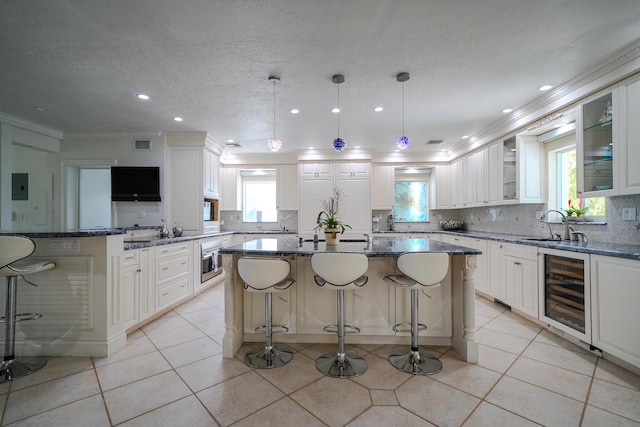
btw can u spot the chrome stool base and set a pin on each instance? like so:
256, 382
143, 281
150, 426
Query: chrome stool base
415, 362
12, 369
348, 366
267, 358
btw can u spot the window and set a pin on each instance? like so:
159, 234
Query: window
411, 193
259, 195
562, 179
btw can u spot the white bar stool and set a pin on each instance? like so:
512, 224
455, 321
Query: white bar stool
267, 275
426, 269
13, 263
340, 271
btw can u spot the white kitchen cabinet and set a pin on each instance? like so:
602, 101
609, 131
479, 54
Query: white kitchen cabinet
352, 169
382, 187
187, 155
317, 183
443, 186
495, 251
355, 208
174, 281
494, 173
147, 293
129, 286
211, 174
137, 285
615, 294
515, 171
520, 275
315, 169
597, 145
460, 192
229, 177
629, 135
287, 187
186, 188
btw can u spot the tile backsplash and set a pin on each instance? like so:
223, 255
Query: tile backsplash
517, 219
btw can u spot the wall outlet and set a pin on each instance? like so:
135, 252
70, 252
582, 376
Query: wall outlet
628, 214
539, 214
140, 214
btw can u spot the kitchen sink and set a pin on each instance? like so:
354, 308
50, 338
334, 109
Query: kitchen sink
541, 239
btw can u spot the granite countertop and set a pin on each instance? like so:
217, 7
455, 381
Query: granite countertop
94, 232
598, 248
381, 247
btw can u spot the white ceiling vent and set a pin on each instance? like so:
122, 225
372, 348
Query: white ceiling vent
232, 144
434, 141
142, 144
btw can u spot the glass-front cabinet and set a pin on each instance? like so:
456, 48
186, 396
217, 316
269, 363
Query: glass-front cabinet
509, 170
596, 134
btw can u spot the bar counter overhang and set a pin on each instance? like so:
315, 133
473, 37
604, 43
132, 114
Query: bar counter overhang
458, 289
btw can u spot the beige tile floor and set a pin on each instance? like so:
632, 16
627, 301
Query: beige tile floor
172, 373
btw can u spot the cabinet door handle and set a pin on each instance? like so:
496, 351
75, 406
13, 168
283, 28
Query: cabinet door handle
164, 294
139, 271
165, 268
517, 263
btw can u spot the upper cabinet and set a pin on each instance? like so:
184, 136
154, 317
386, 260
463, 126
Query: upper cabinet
229, 188
287, 187
382, 183
211, 174
629, 135
317, 183
596, 150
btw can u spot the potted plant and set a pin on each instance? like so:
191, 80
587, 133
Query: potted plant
576, 212
328, 218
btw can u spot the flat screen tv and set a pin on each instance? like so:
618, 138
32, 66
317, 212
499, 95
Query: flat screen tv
135, 183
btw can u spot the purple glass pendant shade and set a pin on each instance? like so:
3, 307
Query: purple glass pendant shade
402, 143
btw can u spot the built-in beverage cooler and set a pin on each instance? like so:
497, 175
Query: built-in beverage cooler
564, 297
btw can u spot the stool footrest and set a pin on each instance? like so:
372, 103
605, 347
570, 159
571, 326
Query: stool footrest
24, 316
348, 329
275, 329
401, 328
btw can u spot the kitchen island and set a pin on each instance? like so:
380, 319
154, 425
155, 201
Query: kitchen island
448, 311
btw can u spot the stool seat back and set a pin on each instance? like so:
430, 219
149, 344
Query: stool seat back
264, 274
426, 268
339, 268
14, 248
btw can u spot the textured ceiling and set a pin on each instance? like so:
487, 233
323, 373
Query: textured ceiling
208, 61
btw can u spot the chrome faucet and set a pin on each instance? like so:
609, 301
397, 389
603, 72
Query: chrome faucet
566, 236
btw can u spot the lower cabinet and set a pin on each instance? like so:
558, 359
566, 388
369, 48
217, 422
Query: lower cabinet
173, 274
137, 285
513, 275
615, 293
520, 275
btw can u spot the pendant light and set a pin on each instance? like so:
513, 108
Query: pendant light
338, 143
274, 143
402, 142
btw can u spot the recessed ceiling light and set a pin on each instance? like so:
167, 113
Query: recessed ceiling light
177, 119
294, 111
335, 110
378, 109
41, 109
507, 110
142, 96
465, 136
357, 146
230, 140
545, 87
310, 148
